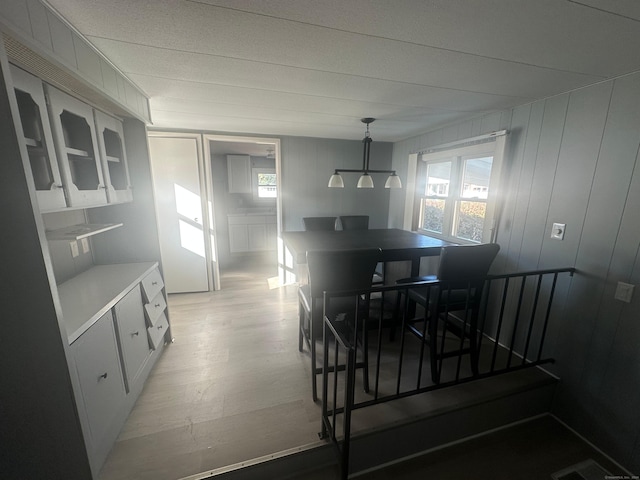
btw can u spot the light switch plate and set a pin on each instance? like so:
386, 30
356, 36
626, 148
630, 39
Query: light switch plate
85, 245
557, 231
624, 292
74, 249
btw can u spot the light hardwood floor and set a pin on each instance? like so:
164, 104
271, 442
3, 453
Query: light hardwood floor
232, 387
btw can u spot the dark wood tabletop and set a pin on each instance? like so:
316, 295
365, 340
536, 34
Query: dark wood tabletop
396, 244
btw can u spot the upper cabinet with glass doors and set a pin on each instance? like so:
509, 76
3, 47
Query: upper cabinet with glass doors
74, 135
38, 139
114, 159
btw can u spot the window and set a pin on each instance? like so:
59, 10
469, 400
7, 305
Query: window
455, 193
264, 183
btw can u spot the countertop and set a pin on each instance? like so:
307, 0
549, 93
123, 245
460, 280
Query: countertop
245, 212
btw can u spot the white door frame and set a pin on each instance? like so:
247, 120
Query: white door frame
207, 138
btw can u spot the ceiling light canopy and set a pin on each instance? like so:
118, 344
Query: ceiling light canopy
365, 181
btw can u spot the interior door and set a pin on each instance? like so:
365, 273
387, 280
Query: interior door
177, 166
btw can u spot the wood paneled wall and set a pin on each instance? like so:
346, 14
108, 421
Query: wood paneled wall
574, 159
307, 164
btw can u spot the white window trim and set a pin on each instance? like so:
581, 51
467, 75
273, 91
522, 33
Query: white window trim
493, 148
254, 183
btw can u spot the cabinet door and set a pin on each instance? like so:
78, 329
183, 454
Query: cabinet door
272, 235
238, 238
132, 328
38, 139
239, 173
98, 366
257, 237
114, 158
74, 135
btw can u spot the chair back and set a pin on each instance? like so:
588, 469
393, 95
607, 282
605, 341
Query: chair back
354, 222
341, 270
319, 223
462, 266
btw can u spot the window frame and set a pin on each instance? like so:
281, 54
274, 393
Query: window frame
457, 156
255, 172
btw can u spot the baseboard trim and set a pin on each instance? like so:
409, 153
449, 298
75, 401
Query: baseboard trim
588, 442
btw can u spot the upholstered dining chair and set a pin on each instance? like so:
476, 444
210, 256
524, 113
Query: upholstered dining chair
337, 270
319, 223
354, 222
453, 301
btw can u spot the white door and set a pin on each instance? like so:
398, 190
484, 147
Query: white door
176, 167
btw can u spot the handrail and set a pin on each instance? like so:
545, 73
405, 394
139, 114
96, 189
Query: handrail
511, 321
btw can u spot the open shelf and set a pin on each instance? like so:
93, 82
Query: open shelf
78, 153
84, 230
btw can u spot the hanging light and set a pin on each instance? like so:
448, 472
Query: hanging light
365, 181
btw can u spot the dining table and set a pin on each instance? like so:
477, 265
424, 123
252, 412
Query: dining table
396, 244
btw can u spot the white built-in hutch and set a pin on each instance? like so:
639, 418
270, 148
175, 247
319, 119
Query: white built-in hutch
83, 299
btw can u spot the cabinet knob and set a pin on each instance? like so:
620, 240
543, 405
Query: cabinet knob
104, 375
154, 283
135, 334
157, 305
160, 326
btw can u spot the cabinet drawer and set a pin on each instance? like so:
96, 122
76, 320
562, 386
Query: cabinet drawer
98, 366
156, 333
155, 308
152, 284
131, 326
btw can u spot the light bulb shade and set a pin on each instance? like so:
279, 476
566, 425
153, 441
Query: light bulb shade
365, 181
336, 181
393, 181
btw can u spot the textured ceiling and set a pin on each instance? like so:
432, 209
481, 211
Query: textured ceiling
314, 68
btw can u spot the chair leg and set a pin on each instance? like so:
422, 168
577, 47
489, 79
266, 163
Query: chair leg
433, 347
473, 343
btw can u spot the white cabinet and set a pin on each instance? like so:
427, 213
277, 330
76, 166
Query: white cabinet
38, 140
115, 168
252, 233
132, 334
98, 365
238, 238
155, 306
74, 135
239, 173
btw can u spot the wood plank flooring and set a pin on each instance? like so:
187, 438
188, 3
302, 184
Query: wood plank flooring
232, 386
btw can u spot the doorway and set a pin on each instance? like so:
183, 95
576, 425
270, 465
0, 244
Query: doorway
245, 181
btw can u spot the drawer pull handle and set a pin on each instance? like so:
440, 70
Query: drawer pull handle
154, 283
104, 375
157, 305
135, 334
160, 326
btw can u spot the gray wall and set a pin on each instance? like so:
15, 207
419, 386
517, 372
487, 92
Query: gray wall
572, 159
307, 164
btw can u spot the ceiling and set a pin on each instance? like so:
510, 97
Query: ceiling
315, 67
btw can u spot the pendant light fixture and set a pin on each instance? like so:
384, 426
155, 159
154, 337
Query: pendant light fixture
365, 181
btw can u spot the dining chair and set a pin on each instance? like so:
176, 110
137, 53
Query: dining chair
354, 222
453, 301
361, 222
319, 223
336, 270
